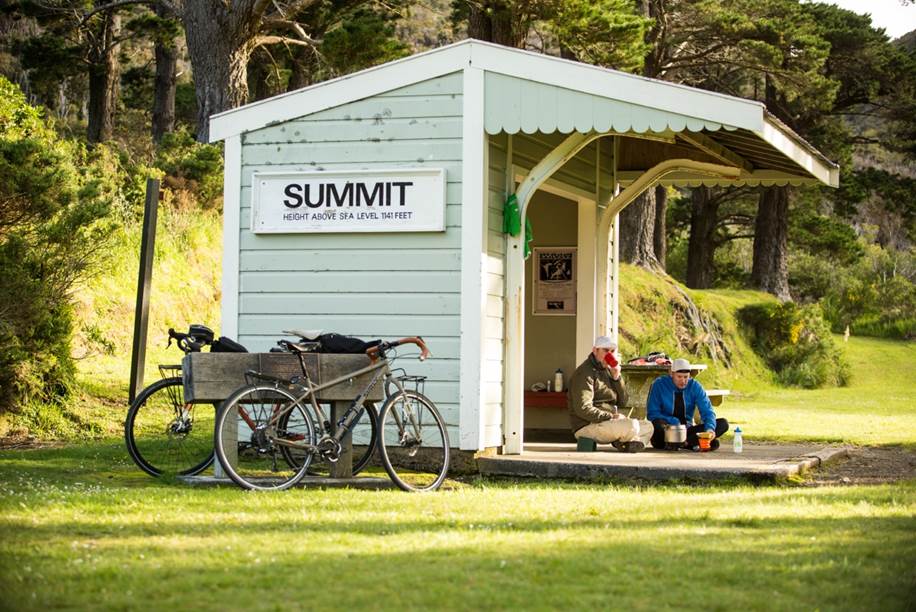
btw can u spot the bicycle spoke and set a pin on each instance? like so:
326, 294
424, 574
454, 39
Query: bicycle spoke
165, 439
263, 437
414, 442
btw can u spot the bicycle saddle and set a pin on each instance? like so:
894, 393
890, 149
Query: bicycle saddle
310, 334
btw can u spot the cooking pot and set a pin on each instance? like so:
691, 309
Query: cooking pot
675, 436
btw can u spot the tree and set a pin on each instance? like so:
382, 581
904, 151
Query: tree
102, 33
52, 211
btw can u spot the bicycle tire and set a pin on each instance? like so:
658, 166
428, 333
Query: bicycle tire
365, 440
416, 459
162, 437
258, 462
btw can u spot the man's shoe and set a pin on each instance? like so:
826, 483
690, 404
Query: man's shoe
714, 445
618, 445
632, 447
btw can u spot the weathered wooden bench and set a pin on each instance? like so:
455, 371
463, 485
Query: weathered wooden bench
212, 377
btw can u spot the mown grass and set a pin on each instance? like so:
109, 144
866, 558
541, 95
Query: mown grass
876, 408
80, 528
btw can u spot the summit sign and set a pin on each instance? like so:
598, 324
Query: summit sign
401, 200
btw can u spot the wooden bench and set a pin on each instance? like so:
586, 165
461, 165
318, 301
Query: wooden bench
212, 377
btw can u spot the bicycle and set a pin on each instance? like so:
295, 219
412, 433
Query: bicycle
266, 439
165, 434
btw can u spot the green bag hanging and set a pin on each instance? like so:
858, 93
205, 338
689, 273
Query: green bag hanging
512, 223
512, 219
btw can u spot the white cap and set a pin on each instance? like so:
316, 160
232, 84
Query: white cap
605, 342
680, 365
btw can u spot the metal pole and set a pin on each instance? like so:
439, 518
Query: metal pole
144, 280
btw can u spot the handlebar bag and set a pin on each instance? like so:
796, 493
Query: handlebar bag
227, 345
338, 343
201, 333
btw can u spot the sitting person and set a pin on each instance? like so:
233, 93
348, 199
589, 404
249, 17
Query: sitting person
596, 395
674, 400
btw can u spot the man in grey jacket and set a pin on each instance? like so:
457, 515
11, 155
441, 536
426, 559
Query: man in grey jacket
596, 396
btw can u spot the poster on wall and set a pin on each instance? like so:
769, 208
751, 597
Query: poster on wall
554, 281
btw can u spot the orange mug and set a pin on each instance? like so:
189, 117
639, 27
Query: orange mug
705, 441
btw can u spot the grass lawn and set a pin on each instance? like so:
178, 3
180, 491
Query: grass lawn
877, 408
81, 527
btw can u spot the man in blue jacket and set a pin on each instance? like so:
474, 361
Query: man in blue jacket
674, 399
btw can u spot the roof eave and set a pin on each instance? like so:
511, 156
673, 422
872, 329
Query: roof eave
793, 146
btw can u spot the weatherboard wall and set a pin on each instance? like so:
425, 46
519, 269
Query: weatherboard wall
369, 284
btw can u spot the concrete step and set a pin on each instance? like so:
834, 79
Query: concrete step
758, 462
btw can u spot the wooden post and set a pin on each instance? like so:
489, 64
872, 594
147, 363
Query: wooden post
144, 281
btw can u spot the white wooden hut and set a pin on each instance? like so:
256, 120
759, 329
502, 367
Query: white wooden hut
372, 205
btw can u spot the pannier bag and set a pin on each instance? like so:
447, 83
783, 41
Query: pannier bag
227, 345
338, 343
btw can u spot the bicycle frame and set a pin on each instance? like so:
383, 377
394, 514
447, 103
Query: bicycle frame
382, 369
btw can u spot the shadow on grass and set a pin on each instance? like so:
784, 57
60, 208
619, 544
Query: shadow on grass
842, 564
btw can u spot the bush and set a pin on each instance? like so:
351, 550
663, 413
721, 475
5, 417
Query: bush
53, 226
192, 167
876, 296
796, 343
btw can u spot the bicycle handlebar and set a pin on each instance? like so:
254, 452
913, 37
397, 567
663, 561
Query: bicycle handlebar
186, 342
379, 351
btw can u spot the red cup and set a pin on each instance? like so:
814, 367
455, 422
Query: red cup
609, 359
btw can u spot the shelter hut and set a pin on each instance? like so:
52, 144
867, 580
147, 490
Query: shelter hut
373, 205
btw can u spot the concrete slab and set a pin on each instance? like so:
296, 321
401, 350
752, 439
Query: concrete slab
318, 482
758, 462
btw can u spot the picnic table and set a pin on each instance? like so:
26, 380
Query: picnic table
638, 380
209, 378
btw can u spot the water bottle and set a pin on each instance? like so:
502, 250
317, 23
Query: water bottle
558, 380
738, 442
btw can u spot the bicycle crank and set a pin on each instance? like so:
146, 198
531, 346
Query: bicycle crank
329, 449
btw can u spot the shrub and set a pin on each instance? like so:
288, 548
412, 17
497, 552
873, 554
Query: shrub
192, 167
796, 343
876, 296
53, 226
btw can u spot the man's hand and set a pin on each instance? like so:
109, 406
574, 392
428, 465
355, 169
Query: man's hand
615, 372
711, 434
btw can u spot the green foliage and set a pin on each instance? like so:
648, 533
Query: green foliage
824, 236
796, 342
191, 166
604, 32
52, 226
876, 296
364, 40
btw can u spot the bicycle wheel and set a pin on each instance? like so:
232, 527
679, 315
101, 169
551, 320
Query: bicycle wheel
165, 435
413, 442
254, 427
365, 437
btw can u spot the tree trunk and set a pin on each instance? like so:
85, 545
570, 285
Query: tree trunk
637, 227
494, 22
301, 69
219, 44
164, 91
638, 221
771, 242
103, 76
660, 239
701, 247
258, 77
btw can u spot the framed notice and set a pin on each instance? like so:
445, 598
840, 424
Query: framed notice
554, 281
397, 200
